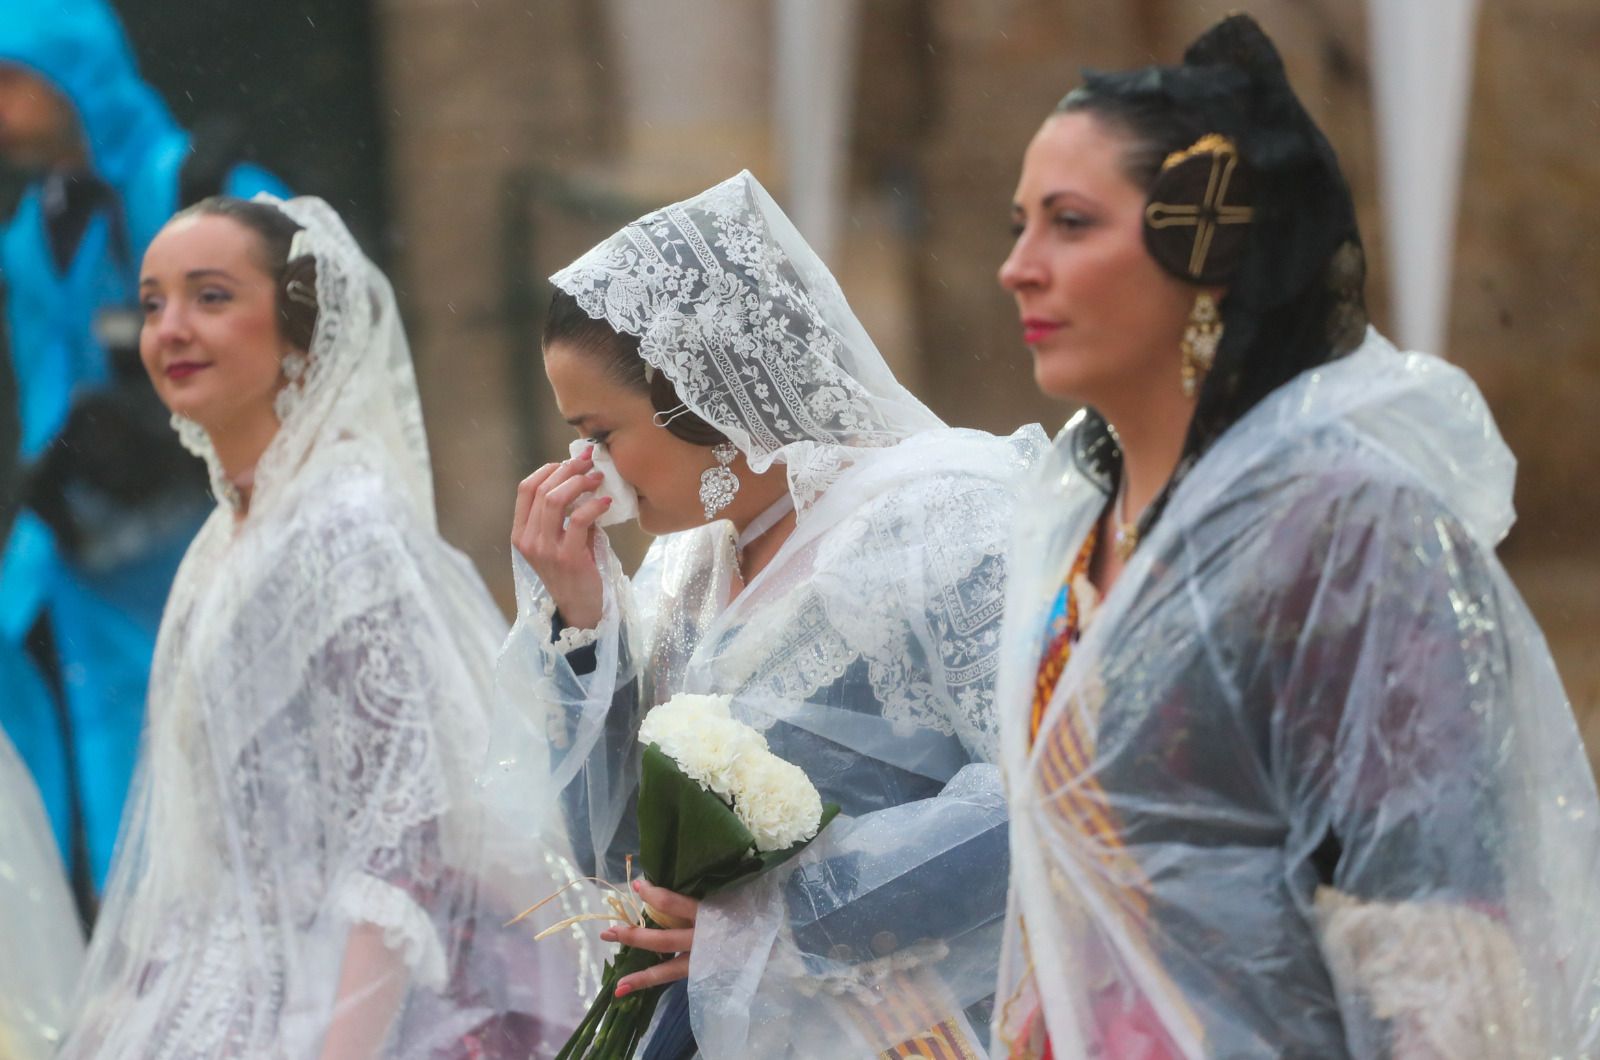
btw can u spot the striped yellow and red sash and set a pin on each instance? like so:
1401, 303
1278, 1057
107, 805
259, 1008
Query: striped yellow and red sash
1065, 623
909, 1003
1072, 789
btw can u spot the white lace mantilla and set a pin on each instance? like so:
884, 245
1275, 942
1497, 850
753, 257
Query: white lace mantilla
746, 322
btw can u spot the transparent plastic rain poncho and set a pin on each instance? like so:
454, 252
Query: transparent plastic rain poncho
37, 921
304, 871
865, 650
1309, 785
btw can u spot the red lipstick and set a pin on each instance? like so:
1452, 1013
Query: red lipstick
183, 369
1036, 329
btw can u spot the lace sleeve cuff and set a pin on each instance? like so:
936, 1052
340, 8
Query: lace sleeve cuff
564, 640
570, 640
1443, 974
406, 928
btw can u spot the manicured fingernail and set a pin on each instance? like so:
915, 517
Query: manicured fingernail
623, 989
588, 453
638, 885
608, 500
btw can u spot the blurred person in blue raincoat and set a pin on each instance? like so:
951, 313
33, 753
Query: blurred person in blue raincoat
105, 500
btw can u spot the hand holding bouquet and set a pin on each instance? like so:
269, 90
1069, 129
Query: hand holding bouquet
716, 807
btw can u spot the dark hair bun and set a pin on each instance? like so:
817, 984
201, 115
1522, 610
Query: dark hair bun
297, 301
1240, 42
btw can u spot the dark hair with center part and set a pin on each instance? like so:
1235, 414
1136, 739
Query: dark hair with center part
296, 280
1154, 129
568, 324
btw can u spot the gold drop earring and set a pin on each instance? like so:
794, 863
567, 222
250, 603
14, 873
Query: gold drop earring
1200, 339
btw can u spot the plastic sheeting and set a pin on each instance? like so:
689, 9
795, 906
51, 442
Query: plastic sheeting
37, 920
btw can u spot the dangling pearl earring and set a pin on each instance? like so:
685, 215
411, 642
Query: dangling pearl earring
718, 484
293, 366
1200, 341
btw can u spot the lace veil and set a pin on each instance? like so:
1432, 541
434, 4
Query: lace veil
303, 865
752, 329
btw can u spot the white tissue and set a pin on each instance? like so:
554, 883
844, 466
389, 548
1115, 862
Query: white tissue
624, 501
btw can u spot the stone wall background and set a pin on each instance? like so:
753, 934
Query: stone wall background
521, 131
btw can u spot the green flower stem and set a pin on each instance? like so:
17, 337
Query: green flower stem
613, 1026
690, 842
584, 1034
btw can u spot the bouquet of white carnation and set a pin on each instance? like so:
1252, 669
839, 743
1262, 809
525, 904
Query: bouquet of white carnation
715, 807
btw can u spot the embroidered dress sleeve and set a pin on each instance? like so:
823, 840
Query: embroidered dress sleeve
578, 649
886, 930
888, 933
871, 898
381, 724
1418, 760
385, 777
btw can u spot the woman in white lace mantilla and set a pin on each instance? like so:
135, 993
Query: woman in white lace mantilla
1305, 784
303, 872
829, 555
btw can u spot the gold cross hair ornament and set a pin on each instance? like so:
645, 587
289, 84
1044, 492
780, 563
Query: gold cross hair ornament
1195, 223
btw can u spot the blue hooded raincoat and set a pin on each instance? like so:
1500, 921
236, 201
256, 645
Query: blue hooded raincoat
103, 619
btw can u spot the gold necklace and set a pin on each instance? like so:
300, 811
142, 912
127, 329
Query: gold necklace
1125, 536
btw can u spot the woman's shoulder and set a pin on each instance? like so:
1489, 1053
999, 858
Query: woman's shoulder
942, 504
1377, 422
1334, 474
349, 483
951, 462
933, 512
1331, 511
349, 504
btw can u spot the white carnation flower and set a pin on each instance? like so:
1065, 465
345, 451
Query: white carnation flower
702, 739
683, 709
670, 724
775, 800
710, 754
